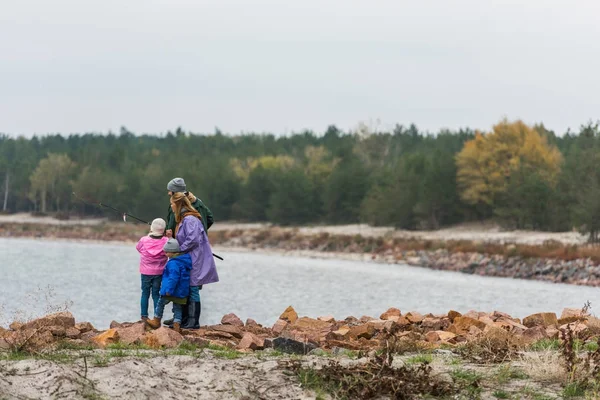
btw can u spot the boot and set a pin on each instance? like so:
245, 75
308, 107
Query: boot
184, 318
185, 314
153, 323
177, 327
194, 316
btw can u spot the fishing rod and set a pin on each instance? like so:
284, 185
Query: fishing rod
125, 215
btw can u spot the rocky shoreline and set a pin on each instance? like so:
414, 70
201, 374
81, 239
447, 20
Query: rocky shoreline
76, 360
551, 261
301, 335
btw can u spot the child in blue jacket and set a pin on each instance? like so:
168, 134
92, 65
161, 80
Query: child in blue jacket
175, 286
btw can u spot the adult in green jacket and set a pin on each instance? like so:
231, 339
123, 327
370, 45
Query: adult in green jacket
178, 185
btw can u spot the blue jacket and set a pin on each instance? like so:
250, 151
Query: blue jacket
176, 277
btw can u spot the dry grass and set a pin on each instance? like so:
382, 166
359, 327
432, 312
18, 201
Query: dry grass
544, 366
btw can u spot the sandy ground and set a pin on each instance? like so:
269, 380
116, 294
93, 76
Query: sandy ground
159, 377
486, 232
27, 218
204, 376
475, 232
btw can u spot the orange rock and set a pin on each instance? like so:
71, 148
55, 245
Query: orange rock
362, 331
568, 320
486, 320
232, 319
231, 329
345, 344
474, 314
540, 319
279, 326
495, 332
432, 337
107, 337
84, 327
327, 318
593, 322
445, 336
163, 337
30, 339
16, 325
414, 317
251, 342
453, 314
310, 329
391, 312
289, 315
409, 335
573, 312
339, 334
576, 327
132, 334
510, 325
475, 331
498, 314
72, 333
434, 324
535, 333
63, 319
552, 333
306, 323
251, 323
378, 324
462, 324
58, 331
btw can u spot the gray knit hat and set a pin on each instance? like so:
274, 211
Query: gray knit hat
176, 185
172, 246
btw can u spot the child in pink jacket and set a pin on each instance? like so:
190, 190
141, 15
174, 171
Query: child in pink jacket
152, 263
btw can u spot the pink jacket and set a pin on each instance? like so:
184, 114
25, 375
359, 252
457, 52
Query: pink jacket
152, 256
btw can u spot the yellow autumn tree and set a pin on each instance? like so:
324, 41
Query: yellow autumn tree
243, 167
485, 163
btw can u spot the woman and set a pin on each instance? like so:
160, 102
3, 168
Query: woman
192, 238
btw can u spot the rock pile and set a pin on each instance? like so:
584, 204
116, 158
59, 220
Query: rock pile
582, 271
294, 334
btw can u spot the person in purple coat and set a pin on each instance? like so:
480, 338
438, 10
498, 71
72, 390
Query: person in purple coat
193, 240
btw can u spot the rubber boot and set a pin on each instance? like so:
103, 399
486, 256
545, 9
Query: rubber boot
193, 321
153, 323
185, 315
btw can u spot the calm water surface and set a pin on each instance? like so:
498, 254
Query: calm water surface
102, 281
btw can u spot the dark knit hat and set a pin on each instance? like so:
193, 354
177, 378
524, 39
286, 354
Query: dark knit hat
172, 246
176, 185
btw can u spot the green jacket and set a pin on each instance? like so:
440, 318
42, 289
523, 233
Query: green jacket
205, 213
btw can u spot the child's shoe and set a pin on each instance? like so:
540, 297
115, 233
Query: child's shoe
177, 327
153, 323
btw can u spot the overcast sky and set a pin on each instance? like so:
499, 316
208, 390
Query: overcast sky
285, 65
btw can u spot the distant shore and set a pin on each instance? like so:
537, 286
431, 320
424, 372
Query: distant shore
481, 249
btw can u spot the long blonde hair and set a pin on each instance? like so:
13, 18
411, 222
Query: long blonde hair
180, 201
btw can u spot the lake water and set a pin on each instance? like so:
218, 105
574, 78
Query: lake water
102, 282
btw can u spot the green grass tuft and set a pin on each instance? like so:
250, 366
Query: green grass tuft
420, 359
545, 344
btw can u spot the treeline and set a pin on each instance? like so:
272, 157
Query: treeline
523, 176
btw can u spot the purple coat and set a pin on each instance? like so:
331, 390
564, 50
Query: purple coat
193, 240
